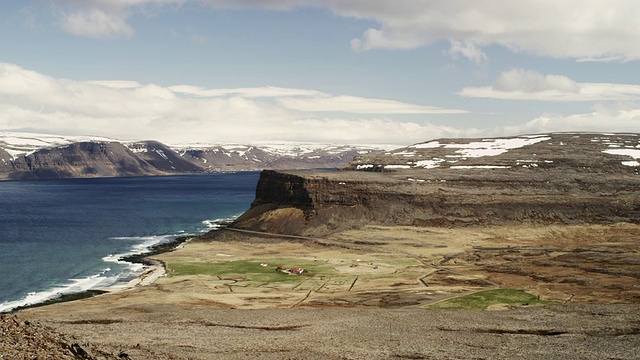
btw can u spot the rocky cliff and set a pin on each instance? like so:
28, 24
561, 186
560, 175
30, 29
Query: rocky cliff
550, 178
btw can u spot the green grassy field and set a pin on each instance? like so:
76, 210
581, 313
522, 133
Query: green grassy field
483, 299
250, 269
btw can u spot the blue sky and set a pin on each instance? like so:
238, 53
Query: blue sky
359, 71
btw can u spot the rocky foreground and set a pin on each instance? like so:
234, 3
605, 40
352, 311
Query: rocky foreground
565, 332
22, 339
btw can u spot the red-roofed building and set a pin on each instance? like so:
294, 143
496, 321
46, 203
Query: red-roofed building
296, 270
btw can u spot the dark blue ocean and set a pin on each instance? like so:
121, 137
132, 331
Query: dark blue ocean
65, 236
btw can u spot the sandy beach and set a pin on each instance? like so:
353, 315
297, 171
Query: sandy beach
150, 274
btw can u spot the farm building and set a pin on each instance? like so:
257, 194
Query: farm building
296, 270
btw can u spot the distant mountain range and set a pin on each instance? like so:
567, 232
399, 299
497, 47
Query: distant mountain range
40, 156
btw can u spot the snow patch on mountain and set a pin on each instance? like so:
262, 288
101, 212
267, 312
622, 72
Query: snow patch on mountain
23, 144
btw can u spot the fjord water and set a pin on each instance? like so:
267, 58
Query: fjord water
64, 236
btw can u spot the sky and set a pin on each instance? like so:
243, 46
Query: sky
331, 71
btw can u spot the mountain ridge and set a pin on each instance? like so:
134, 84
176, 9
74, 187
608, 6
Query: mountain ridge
38, 156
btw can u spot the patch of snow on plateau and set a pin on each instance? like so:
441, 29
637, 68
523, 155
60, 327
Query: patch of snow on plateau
634, 153
17, 144
405, 153
480, 167
628, 152
493, 147
429, 164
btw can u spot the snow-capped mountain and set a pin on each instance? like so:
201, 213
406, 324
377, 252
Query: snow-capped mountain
270, 156
28, 155
20, 144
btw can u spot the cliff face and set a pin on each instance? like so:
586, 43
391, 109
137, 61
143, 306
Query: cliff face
580, 184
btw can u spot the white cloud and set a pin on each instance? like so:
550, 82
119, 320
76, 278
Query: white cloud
316, 101
376, 39
600, 120
267, 91
372, 131
359, 105
521, 84
130, 110
30, 101
531, 81
469, 51
96, 23
116, 84
585, 30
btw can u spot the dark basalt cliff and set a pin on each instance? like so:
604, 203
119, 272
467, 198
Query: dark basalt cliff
558, 178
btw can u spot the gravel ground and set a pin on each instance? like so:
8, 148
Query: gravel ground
591, 331
23, 339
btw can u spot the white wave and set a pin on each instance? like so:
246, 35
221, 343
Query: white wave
74, 286
217, 224
99, 280
142, 244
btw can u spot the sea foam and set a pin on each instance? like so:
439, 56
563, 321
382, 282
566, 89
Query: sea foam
141, 245
74, 286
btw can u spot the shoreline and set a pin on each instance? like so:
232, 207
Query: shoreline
149, 275
153, 270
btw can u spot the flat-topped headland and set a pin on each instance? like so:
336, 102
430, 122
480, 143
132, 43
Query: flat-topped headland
542, 229
537, 179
